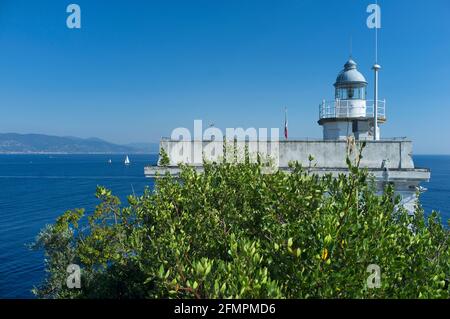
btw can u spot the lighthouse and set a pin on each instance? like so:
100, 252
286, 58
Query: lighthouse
350, 113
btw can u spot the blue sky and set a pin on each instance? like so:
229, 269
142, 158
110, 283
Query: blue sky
138, 69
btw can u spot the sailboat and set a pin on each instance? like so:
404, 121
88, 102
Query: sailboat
109, 161
127, 161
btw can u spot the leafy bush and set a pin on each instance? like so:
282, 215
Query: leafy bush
233, 231
164, 159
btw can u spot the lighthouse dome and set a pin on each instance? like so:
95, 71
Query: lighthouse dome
350, 75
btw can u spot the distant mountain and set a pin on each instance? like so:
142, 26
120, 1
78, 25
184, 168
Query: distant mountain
39, 143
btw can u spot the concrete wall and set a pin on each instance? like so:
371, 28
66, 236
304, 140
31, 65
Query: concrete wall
340, 130
332, 154
327, 154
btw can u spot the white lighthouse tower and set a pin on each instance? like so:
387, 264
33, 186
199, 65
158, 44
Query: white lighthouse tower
350, 113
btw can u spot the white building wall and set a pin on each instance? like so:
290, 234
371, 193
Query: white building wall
340, 130
327, 154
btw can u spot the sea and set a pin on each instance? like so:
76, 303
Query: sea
36, 189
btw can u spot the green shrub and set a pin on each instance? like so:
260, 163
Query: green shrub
233, 231
164, 159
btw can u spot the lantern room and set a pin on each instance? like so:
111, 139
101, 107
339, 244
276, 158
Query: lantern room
350, 83
350, 113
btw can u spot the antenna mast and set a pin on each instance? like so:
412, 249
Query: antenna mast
351, 47
376, 67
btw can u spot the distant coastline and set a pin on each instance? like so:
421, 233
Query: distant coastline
14, 143
80, 153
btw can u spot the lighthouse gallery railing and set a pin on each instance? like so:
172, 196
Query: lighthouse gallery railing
347, 109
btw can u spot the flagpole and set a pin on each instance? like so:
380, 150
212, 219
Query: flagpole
285, 124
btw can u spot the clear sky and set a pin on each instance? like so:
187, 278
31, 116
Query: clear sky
138, 69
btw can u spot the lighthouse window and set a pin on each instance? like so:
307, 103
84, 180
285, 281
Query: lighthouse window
350, 93
361, 94
341, 94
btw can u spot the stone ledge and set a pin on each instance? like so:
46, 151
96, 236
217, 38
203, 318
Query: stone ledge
415, 175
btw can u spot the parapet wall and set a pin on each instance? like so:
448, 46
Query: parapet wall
332, 154
392, 154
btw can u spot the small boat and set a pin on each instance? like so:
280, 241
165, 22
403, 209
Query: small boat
422, 189
127, 161
109, 161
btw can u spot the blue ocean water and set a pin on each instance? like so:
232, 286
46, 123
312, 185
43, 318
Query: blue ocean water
35, 189
438, 195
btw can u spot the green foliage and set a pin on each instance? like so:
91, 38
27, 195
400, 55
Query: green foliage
235, 232
163, 158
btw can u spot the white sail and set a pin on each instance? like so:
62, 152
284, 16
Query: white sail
127, 160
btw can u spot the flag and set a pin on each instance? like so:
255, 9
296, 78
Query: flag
285, 125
